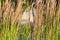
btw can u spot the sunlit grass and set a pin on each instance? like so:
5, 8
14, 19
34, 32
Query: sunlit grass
10, 29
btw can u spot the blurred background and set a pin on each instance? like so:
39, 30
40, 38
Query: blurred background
29, 19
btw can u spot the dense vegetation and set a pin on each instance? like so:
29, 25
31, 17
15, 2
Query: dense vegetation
46, 24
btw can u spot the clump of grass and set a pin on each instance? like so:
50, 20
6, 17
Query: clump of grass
46, 26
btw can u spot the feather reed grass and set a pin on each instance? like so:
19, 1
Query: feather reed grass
46, 21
